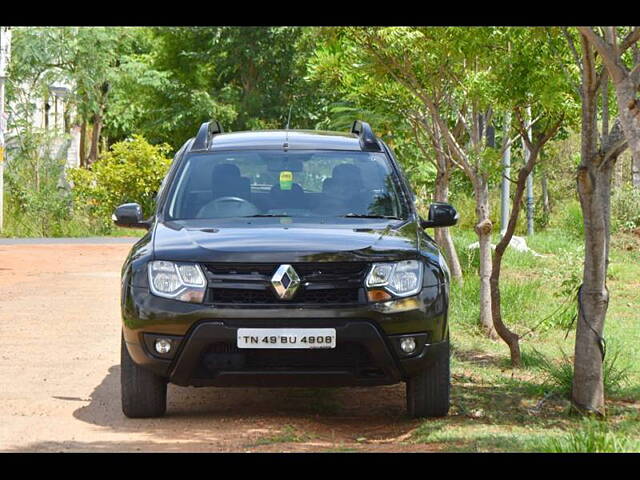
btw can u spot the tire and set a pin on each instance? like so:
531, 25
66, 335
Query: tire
428, 392
143, 394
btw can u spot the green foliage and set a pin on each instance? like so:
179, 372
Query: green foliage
566, 313
37, 201
592, 436
88, 58
625, 208
570, 220
463, 305
131, 171
245, 77
558, 374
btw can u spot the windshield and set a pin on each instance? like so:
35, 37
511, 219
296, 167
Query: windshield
279, 183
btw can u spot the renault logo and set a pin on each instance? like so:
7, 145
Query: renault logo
285, 282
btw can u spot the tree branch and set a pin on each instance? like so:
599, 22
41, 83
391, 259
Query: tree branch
608, 52
411, 83
613, 144
572, 46
630, 40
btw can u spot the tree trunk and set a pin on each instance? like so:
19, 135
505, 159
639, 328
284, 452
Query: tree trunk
635, 170
483, 230
594, 190
546, 207
95, 138
442, 235
83, 143
530, 199
506, 172
510, 338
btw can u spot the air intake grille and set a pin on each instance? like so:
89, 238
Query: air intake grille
321, 283
227, 357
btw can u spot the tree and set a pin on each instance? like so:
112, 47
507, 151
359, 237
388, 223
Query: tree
451, 83
245, 77
367, 91
534, 146
446, 70
598, 156
528, 78
86, 57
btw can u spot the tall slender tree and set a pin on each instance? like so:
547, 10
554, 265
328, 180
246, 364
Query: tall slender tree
598, 157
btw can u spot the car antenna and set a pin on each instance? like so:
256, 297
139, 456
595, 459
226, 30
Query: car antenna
289, 117
286, 135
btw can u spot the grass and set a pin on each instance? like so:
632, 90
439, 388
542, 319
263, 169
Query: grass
559, 373
592, 436
498, 408
29, 227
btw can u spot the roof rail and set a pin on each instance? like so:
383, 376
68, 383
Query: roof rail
205, 134
368, 140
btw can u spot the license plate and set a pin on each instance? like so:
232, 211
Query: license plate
286, 338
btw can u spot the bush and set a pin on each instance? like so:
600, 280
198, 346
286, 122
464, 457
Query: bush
37, 202
131, 171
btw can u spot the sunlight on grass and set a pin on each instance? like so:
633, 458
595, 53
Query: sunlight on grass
592, 436
498, 408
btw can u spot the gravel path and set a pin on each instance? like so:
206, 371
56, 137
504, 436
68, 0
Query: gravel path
60, 375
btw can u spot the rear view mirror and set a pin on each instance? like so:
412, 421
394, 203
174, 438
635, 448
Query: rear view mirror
440, 215
129, 215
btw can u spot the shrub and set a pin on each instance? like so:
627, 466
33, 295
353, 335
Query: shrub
37, 202
131, 171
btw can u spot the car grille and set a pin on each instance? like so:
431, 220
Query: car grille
333, 283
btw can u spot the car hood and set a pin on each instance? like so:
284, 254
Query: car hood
271, 240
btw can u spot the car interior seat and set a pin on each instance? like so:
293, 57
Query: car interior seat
226, 181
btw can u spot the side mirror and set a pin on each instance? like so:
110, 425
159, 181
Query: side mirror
129, 215
440, 215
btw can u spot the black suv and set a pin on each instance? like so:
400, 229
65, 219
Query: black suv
285, 258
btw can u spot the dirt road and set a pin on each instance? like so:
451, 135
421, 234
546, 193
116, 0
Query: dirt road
60, 376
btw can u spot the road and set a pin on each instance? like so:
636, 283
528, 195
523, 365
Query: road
60, 375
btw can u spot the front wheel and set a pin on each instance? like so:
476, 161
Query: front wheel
428, 392
144, 394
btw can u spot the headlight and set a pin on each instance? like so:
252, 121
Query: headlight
179, 281
403, 279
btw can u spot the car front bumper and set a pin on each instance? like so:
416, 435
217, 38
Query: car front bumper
204, 351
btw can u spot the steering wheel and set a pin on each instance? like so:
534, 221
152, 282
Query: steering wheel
234, 205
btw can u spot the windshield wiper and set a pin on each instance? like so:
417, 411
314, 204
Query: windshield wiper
266, 215
358, 215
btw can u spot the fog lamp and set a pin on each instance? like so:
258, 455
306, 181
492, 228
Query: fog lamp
408, 344
163, 345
